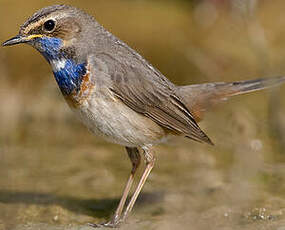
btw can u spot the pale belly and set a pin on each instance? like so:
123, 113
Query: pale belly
117, 123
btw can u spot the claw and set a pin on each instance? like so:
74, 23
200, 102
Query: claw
109, 224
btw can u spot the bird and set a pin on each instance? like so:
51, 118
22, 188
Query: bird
118, 94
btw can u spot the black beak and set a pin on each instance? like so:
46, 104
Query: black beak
15, 40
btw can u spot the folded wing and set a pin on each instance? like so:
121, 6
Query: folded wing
148, 92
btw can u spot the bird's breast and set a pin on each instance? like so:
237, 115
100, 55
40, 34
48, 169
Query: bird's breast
73, 80
84, 92
101, 111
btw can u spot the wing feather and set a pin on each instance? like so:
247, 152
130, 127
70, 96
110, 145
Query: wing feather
152, 95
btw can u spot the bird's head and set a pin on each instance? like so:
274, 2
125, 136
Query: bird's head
54, 31
61, 33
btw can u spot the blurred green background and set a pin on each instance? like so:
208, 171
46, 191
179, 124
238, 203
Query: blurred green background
55, 175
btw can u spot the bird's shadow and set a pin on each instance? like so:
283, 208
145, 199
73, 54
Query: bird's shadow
102, 208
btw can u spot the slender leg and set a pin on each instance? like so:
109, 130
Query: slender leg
149, 160
135, 158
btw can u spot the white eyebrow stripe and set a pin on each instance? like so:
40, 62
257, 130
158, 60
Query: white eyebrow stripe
40, 22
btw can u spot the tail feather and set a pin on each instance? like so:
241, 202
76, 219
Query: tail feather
201, 97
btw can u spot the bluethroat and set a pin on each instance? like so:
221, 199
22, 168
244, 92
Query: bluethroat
117, 94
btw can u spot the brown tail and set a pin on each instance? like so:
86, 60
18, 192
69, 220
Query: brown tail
201, 97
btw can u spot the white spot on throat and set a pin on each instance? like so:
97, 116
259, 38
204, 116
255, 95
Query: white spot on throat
58, 64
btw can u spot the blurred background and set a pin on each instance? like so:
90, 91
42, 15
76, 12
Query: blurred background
54, 174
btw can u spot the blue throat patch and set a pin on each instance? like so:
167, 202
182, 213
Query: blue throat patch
69, 77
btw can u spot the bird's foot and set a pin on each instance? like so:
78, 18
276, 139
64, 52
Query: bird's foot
114, 223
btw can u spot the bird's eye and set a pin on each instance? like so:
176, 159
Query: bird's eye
49, 25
